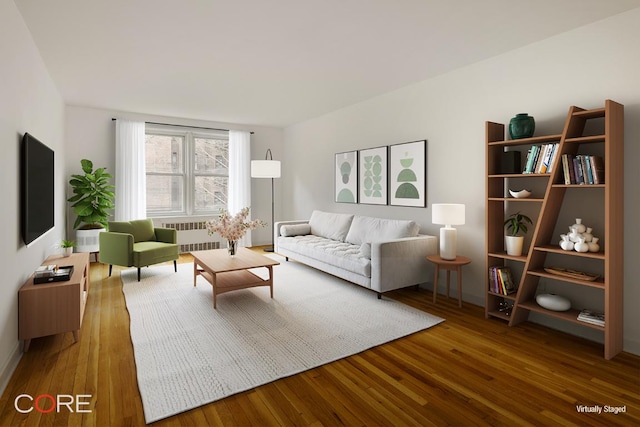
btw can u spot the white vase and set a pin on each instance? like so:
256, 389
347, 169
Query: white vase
593, 245
581, 246
587, 235
579, 226
514, 245
574, 235
565, 243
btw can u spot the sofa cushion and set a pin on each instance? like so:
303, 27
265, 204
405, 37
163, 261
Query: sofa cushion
295, 230
365, 250
366, 229
332, 226
141, 229
340, 254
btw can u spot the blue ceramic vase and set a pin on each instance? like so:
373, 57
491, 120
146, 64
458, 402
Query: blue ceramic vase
522, 126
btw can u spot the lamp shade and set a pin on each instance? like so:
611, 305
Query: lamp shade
447, 213
265, 169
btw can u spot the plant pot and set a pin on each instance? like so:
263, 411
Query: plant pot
514, 245
67, 251
88, 240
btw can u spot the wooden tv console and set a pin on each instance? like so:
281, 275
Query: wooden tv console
56, 307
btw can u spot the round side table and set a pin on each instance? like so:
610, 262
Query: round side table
448, 265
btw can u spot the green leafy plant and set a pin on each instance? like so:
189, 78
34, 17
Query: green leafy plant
67, 244
516, 222
93, 196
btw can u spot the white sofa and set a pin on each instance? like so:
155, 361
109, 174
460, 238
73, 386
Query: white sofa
380, 254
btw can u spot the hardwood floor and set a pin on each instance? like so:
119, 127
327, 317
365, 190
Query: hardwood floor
465, 371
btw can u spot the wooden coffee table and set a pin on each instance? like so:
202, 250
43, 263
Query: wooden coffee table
226, 273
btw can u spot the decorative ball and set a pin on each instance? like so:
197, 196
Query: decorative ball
553, 302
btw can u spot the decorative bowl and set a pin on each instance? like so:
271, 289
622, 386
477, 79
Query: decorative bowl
553, 302
522, 194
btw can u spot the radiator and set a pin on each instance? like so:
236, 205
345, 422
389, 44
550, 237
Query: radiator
193, 236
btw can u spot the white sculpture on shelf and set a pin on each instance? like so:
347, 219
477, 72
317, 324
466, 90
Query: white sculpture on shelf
579, 238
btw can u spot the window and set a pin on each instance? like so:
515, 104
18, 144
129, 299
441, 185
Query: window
187, 173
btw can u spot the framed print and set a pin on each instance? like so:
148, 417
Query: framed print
372, 176
346, 177
408, 174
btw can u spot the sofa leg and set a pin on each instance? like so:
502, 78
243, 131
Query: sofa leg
138, 274
379, 295
175, 265
286, 258
110, 268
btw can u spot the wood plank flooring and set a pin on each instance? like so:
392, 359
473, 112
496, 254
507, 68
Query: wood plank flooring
467, 371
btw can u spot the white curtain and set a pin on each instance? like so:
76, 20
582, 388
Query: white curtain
131, 192
240, 175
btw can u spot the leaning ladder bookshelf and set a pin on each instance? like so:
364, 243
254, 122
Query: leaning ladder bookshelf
572, 141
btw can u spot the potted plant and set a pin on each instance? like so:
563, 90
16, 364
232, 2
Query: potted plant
514, 224
67, 247
92, 200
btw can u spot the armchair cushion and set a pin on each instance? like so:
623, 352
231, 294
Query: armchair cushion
141, 229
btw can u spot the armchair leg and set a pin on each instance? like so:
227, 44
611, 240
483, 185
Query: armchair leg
110, 268
138, 274
379, 295
175, 265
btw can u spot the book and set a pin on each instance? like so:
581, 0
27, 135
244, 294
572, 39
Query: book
587, 162
501, 281
565, 169
531, 158
577, 166
592, 317
554, 151
508, 285
597, 168
544, 150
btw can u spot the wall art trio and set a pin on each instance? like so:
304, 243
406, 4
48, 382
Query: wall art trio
394, 175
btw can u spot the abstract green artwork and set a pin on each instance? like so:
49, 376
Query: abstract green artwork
373, 176
408, 174
346, 172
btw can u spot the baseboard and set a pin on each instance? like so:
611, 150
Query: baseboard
9, 367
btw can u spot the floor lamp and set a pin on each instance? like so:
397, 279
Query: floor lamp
267, 168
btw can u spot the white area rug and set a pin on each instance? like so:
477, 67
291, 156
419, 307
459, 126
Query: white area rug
188, 354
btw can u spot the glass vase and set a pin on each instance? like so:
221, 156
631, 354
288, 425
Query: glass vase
232, 247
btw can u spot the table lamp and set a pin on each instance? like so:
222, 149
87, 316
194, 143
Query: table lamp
448, 214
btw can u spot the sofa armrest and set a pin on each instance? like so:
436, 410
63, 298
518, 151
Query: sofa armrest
278, 225
401, 262
166, 235
116, 248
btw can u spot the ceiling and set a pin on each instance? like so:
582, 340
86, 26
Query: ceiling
276, 62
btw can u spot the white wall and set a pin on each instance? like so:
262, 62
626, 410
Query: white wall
29, 102
582, 67
90, 133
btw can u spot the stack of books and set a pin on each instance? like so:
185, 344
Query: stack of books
591, 317
52, 273
501, 281
582, 169
540, 158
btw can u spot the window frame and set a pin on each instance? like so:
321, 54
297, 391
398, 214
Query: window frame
189, 173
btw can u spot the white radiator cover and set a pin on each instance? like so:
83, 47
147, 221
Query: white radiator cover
192, 235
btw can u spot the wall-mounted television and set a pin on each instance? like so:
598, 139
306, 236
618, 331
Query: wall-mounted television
37, 192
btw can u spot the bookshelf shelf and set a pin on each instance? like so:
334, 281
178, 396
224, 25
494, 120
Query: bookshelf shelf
547, 210
570, 315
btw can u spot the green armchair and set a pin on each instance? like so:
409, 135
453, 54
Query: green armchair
137, 244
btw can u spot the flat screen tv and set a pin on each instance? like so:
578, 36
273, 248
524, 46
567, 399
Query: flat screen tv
37, 190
